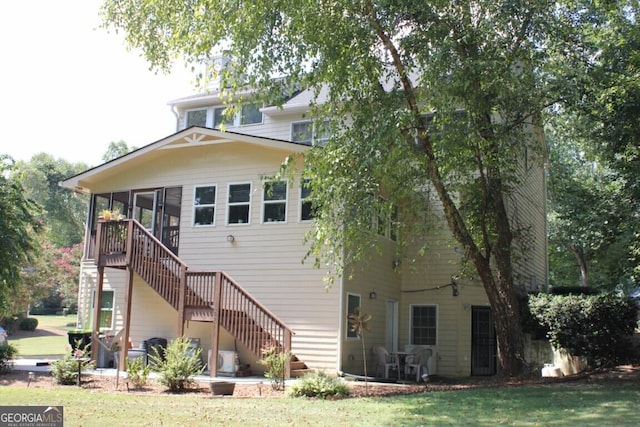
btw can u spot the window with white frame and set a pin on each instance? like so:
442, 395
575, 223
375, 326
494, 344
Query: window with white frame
239, 203
250, 114
106, 310
309, 133
386, 222
424, 325
204, 205
302, 131
221, 119
197, 118
274, 197
306, 205
353, 302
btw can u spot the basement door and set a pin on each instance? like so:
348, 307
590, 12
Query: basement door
483, 342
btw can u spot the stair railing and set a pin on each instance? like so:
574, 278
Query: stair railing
239, 312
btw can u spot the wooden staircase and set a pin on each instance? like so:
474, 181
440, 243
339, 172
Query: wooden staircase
205, 296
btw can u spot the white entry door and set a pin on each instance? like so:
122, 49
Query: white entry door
392, 325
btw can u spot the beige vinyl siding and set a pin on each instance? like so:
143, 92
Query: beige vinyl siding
420, 281
265, 259
370, 275
528, 208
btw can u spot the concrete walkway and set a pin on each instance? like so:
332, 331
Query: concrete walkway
43, 364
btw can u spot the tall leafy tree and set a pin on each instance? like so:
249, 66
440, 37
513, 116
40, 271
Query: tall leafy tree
385, 65
116, 149
19, 224
65, 211
605, 163
589, 217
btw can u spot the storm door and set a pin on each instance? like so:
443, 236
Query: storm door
483, 342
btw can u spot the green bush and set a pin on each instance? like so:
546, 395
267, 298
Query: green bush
180, 364
137, 372
28, 324
318, 385
596, 327
276, 363
11, 323
7, 353
65, 371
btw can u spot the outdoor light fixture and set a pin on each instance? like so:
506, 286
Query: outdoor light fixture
373, 295
231, 238
454, 288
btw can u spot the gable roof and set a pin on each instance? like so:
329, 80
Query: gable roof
190, 137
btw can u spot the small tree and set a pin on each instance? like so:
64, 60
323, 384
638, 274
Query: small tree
359, 322
276, 363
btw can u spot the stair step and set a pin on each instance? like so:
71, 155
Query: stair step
298, 364
297, 373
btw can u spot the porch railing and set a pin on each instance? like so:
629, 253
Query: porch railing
127, 242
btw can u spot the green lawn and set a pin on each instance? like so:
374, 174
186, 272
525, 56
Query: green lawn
611, 404
36, 344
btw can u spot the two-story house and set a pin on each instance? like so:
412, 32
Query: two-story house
216, 253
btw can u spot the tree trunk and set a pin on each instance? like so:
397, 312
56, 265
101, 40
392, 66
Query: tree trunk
578, 254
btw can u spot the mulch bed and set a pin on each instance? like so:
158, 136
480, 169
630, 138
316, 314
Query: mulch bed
107, 384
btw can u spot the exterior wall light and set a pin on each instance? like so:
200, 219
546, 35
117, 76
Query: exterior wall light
231, 238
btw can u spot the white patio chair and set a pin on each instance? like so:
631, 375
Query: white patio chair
386, 363
418, 364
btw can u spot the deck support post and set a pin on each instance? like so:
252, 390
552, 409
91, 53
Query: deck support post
215, 332
124, 344
97, 305
182, 300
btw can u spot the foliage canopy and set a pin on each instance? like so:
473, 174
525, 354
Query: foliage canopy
391, 79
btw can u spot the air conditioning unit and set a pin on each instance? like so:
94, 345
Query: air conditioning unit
227, 362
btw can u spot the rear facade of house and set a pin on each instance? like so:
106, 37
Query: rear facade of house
206, 196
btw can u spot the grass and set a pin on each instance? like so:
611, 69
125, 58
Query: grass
606, 404
36, 344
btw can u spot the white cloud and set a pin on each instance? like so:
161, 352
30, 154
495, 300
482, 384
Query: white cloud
69, 88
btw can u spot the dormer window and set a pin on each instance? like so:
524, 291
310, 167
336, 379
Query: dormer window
197, 118
215, 117
309, 133
250, 115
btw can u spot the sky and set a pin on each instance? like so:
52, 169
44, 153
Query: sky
68, 88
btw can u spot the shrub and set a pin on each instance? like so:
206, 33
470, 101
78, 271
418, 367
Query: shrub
318, 385
596, 327
11, 323
65, 371
137, 372
276, 363
29, 324
7, 353
180, 364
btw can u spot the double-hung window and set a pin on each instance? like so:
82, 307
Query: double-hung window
204, 205
239, 203
424, 325
106, 310
309, 133
275, 202
306, 205
353, 302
